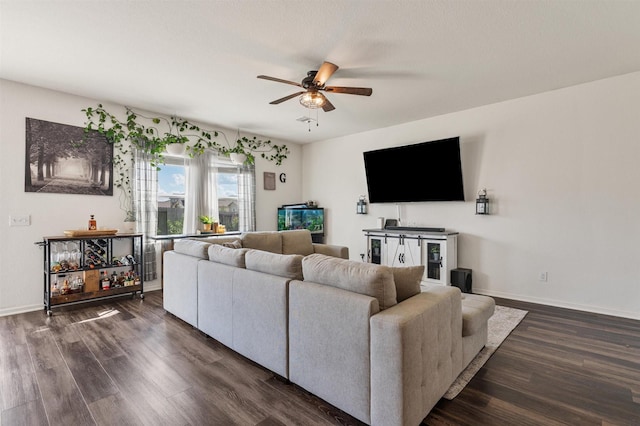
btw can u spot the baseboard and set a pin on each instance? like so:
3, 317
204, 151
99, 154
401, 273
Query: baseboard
40, 307
21, 309
559, 304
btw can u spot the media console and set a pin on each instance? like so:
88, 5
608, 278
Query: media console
434, 248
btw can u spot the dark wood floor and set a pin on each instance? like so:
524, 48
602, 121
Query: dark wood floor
127, 361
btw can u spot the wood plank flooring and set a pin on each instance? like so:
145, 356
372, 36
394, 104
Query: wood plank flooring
127, 362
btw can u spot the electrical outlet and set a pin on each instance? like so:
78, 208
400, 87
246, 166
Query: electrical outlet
20, 220
543, 277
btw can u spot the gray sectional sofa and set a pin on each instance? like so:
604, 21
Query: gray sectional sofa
366, 338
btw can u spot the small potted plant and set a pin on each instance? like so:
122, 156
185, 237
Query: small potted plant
207, 222
435, 252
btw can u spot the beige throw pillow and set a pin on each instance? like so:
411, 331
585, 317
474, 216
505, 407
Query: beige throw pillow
297, 242
229, 256
267, 241
363, 278
407, 279
191, 248
282, 265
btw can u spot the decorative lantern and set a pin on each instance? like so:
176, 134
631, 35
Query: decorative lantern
482, 202
361, 207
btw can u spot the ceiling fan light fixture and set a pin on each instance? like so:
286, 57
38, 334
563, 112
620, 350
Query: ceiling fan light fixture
312, 100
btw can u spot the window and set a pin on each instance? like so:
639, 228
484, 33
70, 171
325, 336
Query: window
171, 196
228, 206
174, 195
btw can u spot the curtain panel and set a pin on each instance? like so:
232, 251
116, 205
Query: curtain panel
145, 202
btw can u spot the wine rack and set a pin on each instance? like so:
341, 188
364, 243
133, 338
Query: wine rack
76, 268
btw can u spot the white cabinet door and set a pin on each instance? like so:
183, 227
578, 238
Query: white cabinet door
439, 258
433, 259
402, 251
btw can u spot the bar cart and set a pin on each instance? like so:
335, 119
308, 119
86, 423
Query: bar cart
86, 266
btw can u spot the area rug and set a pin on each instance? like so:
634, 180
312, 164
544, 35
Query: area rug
501, 324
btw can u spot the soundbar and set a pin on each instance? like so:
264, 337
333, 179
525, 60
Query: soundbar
413, 228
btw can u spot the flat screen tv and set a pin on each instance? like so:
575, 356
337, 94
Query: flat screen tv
427, 171
301, 218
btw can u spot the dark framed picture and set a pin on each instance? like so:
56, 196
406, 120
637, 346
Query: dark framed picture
64, 159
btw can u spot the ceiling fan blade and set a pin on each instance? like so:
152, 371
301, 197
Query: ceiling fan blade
362, 91
286, 98
327, 106
326, 70
279, 80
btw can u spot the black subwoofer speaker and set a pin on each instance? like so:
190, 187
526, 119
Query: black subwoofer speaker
461, 278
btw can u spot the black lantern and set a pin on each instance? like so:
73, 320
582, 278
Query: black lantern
482, 202
361, 207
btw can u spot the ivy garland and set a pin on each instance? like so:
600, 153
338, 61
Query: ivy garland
133, 133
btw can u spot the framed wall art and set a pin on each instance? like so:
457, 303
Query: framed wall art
269, 181
63, 159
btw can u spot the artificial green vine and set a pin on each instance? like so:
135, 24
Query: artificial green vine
133, 133
150, 140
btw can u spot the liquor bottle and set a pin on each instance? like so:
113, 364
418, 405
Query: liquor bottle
92, 224
106, 282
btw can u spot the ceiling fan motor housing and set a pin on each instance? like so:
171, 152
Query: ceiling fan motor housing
307, 82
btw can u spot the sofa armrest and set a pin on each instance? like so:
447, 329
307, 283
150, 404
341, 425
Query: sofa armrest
331, 250
329, 345
416, 353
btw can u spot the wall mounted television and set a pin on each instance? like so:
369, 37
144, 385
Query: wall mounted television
301, 218
427, 171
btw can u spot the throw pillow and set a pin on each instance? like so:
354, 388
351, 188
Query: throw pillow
282, 265
267, 241
228, 256
191, 248
297, 242
407, 279
363, 278
233, 244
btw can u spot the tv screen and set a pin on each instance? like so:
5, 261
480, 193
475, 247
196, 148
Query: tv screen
428, 171
301, 218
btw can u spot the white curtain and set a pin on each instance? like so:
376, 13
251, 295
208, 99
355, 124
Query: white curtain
201, 185
145, 202
247, 198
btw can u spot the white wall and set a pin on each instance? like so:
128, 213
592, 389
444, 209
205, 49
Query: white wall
561, 169
21, 286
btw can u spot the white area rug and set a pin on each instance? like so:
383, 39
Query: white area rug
501, 324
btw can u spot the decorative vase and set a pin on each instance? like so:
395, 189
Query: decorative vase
175, 148
237, 158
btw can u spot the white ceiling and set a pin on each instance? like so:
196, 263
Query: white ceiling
199, 59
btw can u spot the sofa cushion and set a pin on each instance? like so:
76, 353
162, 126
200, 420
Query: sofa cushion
229, 256
192, 248
266, 241
407, 279
363, 278
476, 311
282, 265
297, 242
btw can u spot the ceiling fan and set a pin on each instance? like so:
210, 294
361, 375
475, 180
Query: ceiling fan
313, 84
